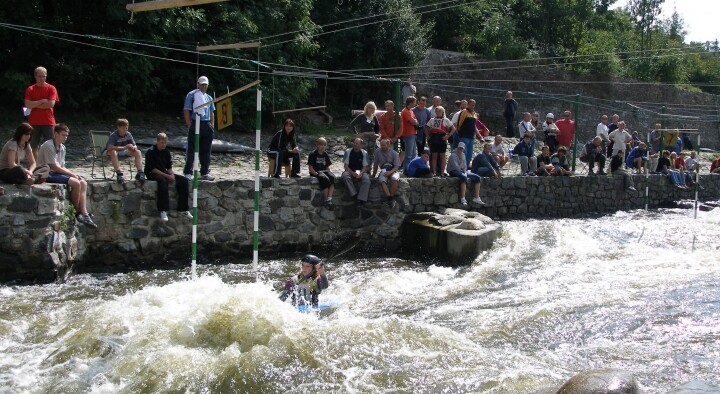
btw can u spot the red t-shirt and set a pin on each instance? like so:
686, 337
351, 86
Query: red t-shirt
715, 164
679, 163
567, 131
407, 128
41, 116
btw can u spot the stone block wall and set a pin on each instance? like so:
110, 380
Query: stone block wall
131, 236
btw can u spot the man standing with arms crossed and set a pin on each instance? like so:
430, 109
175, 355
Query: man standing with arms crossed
206, 117
40, 99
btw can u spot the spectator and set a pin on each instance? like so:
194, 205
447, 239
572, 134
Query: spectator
617, 171
357, 167
440, 129
482, 130
457, 167
535, 121
499, 152
436, 102
387, 161
509, 108
158, 167
319, 167
566, 130
526, 126
560, 163
40, 100
692, 164
408, 90
679, 166
121, 144
367, 126
612, 127
602, 131
284, 148
593, 153
387, 123
635, 139
551, 131
715, 166
460, 105
193, 99
528, 163
52, 154
665, 167
419, 167
465, 123
543, 162
484, 165
654, 141
423, 115
637, 158
13, 153
620, 138
408, 122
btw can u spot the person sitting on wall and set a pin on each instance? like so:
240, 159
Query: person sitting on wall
523, 150
692, 164
457, 167
158, 168
284, 148
665, 167
593, 153
319, 167
13, 153
357, 167
387, 161
544, 166
499, 152
679, 166
122, 144
715, 166
616, 170
485, 165
419, 167
306, 286
560, 163
637, 158
51, 159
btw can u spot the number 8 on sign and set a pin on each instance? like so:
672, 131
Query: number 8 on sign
224, 114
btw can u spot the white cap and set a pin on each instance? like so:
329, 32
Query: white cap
550, 115
461, 145
203, 80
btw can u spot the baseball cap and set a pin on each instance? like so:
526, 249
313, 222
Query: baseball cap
203, 80
550, 115
461, 145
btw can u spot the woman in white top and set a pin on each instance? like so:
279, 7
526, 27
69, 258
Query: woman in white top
14, 151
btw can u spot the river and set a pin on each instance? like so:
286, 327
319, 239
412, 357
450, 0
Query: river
635, 290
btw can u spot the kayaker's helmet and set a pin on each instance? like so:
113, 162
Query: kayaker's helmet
310, 259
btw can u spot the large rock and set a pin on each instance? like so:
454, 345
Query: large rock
601, 381
451, 236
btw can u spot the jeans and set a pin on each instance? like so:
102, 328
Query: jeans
485, 172
362, 194
468, 149
410, 149
465, 177
206, 138
526, 162
163, 195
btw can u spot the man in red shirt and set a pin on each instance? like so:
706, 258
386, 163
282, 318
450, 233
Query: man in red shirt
715, 166
407, 131
567, 130
40, 99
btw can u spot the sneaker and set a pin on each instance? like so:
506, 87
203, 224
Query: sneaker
631, 189
391, 203
329, 204
188, 176
140, 176
185, 215
463, 202
295, 176
163, 216
207, 177
120, 177
86, 220
478, 201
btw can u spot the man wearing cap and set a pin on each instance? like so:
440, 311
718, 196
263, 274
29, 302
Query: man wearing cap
387, 161
206, 117
40, 99
457, 167
551, 132
307, 285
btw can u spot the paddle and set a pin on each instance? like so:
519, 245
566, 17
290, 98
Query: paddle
347, 245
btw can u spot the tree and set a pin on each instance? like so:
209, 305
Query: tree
645, 13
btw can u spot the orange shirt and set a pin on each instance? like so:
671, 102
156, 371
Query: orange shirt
387, 125
679, 163
406, 127
567, 132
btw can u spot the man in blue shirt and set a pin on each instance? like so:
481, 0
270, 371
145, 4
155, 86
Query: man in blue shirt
484, 163
193, 99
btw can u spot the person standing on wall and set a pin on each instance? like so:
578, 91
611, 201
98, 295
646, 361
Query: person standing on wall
40, 100
206, 116
510, 108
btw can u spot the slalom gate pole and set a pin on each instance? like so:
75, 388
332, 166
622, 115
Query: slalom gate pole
256, 216
647, 174
196, 173
574, 141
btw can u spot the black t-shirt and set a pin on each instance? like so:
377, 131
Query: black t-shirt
157, 159
543, 159
662, 162
319, 161
355, 161
615, 163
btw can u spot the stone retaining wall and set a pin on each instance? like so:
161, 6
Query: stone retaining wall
41, 238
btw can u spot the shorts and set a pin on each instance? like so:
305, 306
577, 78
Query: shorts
437, 143
58, 178
326, 179
41, 134
394, 177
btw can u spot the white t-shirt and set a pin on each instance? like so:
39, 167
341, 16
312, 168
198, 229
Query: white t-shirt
620, 136
690, 164
498, 149
602, 129
526, 127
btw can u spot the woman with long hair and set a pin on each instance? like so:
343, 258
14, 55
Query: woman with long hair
14, 151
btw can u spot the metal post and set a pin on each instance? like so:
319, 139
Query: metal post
398, 107
662, 131
196, 173
256, 216
577, 119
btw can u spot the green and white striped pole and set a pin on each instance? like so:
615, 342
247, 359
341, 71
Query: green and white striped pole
196, 172
256, 216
